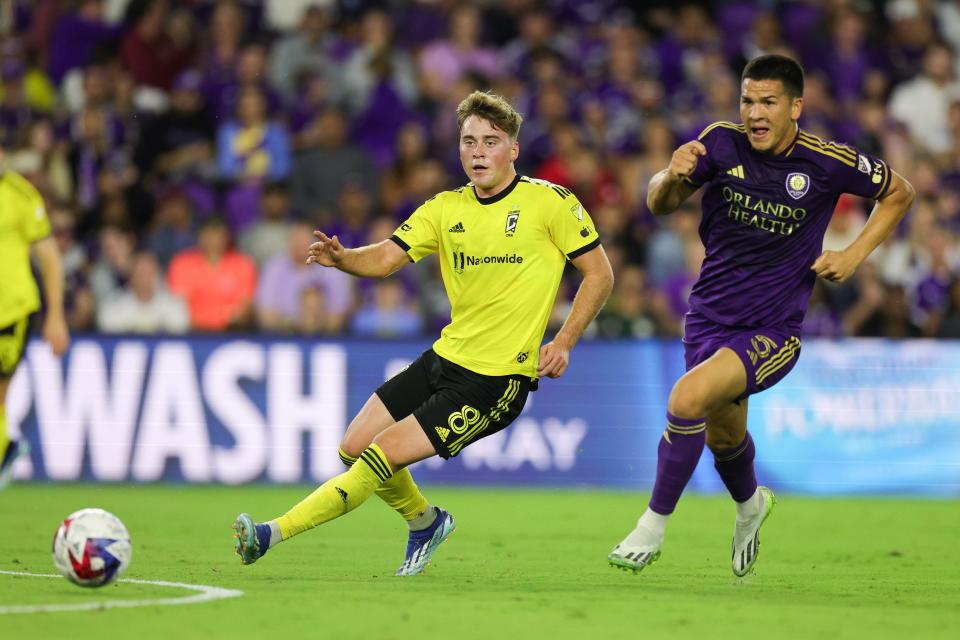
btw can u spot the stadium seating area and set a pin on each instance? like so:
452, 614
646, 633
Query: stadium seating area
187, 149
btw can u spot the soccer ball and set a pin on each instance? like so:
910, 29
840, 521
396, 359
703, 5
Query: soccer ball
91, 547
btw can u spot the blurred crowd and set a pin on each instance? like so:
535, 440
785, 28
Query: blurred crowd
188, 149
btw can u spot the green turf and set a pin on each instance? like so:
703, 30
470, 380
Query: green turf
522, 564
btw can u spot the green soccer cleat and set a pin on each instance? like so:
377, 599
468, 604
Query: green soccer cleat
247, 544
746, 535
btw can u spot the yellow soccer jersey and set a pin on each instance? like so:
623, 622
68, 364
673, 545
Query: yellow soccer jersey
23, 221
501, 259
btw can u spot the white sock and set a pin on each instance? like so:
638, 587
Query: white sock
275, 538
423, 520
654, 522
750, 507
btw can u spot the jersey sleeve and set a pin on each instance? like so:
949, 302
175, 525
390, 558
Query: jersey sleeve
571, 228
867, 176
706, 168
419, 235
34, 223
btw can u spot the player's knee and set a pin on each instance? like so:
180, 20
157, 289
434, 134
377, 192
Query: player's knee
687, 400
720, 440
352, 445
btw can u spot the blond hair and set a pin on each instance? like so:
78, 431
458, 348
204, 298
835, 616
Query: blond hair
492, 108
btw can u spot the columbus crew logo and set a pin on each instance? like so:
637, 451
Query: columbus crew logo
512, 219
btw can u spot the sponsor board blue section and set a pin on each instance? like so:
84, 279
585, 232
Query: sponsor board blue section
853, 416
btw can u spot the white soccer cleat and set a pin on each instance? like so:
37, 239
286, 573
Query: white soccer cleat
639, 549
746, 533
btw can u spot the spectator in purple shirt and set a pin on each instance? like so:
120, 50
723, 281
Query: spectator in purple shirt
76, 35
442, 62
286, 277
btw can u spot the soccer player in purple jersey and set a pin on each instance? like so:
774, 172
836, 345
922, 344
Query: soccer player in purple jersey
770, 191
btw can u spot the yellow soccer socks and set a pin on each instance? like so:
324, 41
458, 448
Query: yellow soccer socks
400, 492
338, 495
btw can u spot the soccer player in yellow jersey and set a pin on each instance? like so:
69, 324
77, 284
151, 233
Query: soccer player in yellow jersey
503, 241
24, 226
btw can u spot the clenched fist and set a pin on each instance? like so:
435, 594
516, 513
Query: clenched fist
684, 159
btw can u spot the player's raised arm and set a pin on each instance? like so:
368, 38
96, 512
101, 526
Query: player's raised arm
372, 261
838, 266
668, 189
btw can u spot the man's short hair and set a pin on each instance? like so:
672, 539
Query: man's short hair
492, 108
776, 67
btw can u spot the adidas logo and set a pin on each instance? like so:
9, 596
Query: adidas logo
457, 228
343, 494
736, 172
443, 432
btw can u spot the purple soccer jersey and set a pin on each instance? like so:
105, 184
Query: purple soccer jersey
763, 222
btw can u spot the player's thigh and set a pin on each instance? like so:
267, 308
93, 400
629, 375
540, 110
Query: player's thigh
715, 382
727, 425
404, 443
393, 401
372, 419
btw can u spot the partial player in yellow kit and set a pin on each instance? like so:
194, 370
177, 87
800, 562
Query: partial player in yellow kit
24, 227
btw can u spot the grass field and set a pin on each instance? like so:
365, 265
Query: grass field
522, 564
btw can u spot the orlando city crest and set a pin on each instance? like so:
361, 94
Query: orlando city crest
512, 219
797, 185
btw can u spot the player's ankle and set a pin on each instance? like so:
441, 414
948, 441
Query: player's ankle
423, 520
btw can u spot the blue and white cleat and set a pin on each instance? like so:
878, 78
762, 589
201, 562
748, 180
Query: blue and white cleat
14, 450
746, 534
640, 549
253, 539
422, 544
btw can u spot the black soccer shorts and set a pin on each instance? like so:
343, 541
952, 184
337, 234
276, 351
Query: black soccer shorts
13, 340
454, 406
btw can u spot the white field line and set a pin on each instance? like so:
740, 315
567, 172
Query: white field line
204, 594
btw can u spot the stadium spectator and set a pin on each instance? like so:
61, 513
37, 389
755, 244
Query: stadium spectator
179, 142
633, 310
374, 62
287, 276
147, 50
320, 171
144, 306
268, 236
43, 160
77, 33
252, 147
923, 103
172, 229
387, 313
308, 51
217, 282
111, 271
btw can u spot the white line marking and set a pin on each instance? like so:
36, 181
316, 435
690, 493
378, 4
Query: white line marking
206, 594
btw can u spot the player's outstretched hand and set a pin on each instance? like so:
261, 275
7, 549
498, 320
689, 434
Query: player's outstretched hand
326, 252
684, 159
554, 358
835, 266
